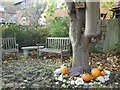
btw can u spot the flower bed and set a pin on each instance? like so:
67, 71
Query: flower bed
97, 75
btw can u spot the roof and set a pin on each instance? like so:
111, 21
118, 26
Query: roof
18, 2
9, 7
2, 20
2, 9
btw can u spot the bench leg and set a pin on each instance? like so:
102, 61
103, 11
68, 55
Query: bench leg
39, 54
69, 55
62, 57
25, 52
3, 55
17, 55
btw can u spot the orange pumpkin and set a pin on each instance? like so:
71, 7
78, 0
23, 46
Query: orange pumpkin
86, 77
63, 70
102, 73
95, 72
100, 68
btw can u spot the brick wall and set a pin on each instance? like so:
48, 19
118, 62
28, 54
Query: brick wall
19, 18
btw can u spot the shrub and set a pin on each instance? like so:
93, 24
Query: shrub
58, 27
25, 35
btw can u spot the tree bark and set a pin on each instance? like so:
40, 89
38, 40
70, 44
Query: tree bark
0, 58
83, 35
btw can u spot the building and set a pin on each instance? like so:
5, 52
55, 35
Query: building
2, 10
22, 19
7, 12
29, 12
23, 13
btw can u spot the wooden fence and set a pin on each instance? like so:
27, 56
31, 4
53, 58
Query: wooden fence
0, 47
110, 36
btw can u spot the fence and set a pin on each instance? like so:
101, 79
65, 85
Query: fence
110, 35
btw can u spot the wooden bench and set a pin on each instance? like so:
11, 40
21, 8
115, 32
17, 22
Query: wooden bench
9, 45
60, 45
26, 50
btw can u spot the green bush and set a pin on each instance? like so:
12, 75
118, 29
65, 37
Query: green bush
25, 35
58, 27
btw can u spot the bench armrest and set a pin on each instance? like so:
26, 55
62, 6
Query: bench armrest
1, 45
40, 44
17, 45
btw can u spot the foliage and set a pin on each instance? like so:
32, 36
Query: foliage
94, 50
25, 35
107, 6
119, 48
59, 27
71, 59
49, 8
51, 5
116, 46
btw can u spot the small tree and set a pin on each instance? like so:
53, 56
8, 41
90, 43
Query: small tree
32, 10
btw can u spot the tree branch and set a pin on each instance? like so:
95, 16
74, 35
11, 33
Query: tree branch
71, 8
90, 40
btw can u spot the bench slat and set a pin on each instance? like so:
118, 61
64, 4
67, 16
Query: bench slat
9, 45
56, 42
57, 38
56, 45
32, 47
52, 50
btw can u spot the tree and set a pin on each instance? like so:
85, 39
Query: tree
84, 31
1, 45
0, 56
32, 9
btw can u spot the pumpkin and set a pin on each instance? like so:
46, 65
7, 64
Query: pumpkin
102, 73
95, 72
63, 70
86, 77
100, 68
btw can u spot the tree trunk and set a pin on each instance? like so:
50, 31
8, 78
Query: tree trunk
83, 40
0, 46
0, 58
